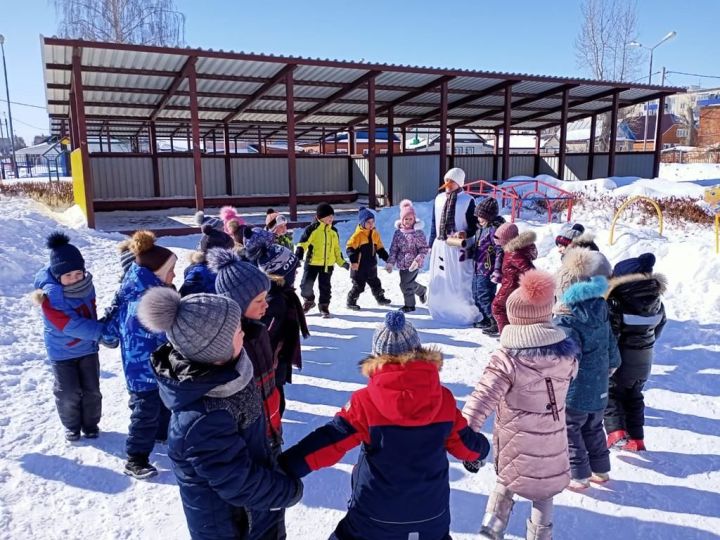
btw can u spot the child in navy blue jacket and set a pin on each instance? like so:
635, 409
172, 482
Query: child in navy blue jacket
406, 422
198, 277
66, 294
154, 266
229, 487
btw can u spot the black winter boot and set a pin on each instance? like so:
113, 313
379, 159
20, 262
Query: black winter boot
139, 467
324, 310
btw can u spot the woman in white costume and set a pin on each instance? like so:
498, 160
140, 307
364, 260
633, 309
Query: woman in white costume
451, 270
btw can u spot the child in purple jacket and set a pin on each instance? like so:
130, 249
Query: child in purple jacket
407, 251
488, 261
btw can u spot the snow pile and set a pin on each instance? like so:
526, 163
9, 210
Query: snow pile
55, 491
690, 172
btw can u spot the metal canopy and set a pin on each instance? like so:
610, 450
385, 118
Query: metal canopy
126, 88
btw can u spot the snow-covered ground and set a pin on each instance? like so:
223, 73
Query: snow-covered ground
50, 490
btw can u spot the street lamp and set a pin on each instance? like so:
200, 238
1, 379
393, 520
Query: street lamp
7, 90
667, 37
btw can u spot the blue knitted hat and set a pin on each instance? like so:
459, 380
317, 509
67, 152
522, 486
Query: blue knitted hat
364, 215
236, 279
396, 336
64, 257
639, 265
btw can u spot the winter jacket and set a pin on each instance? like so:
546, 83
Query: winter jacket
71, 326
637, 316
487, 254
285, 322
527, 388
260, 351
584, 316
136, 342
198, 277
285, 240
518, 256
464, 215
408, 246
364, 247
219, 451
406, 422
321, 244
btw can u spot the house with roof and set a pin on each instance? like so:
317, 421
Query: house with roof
673, 129
709, 127
338, 143
467, 142
525, 144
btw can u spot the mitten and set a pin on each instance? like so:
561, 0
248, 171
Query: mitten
413, 266
110, 342
354, 267
473, 466
389, 268
346, 266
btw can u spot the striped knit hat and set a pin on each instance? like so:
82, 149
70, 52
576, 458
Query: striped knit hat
396, 336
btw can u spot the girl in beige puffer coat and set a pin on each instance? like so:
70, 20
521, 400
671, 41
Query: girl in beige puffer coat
526, 382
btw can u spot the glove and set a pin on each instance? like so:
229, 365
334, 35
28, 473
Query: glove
346, 266
473, 466
110, 342
389, 268
496, 277
414, 266
354, 267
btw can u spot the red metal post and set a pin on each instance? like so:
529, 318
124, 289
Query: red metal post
372, 203
351, 140
443, 130
81, 127
495, 157
613, 133
506, 133
350, 160
228, 167
390, 154
107, 126
591, 148
322, 142
292, 164
154, 158
536, 164
260, 141
195, 123
452, 148
74, 136
657, 155
403, 136
563, 134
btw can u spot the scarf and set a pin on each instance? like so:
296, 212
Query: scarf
447, 219
81, 289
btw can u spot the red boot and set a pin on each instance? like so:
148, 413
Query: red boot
635, 445
617, 439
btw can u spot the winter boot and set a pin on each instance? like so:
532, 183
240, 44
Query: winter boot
538, 532
381, 300
617, 438
308, 304
492, 330
72, 436
635, 445
497, 514
324, 310
139, 468
423, 296
352, 302
92, 434
599, 477
408, 309
579, 484
485, 323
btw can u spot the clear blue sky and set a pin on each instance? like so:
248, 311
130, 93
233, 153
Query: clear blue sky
516, 36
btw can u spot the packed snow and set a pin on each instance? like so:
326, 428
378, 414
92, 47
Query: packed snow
50, 489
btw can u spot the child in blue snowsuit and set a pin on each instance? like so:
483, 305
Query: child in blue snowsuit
198, 277
154, 266
66, 294
488, 260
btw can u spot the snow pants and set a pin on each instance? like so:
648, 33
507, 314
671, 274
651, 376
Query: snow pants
626, 407
149, 421
410, 287
77, 393
362, 277
587, 444
307, 284
483, 293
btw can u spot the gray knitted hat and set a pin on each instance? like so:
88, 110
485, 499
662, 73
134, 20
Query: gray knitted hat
236, 279
396, 336
201, 327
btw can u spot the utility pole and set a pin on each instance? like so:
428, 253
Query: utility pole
7, 93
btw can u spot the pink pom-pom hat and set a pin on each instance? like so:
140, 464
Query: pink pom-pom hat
532, 301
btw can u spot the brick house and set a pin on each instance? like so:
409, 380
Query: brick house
673, 128
709, 130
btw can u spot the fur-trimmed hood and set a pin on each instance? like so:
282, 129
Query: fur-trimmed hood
585, 290
372, 364
579, 265
616, 282
197, 257
585, 240
419, 225
523, 240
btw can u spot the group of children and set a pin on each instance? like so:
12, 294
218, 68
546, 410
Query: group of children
205, 369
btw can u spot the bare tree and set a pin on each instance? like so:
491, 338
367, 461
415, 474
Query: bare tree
144, 22
602, 47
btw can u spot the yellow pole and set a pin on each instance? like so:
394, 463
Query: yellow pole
628, 203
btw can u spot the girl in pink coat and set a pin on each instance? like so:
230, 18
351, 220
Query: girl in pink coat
526, 382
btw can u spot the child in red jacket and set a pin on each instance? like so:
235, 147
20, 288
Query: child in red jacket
519, 252
406, 422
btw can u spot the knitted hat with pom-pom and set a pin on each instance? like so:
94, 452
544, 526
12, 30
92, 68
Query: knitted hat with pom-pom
529, 310
487, 209
505, 233
64, 257
150, 255
364, 215
396, 336
407, 209
643, 264
236, 279
568, 234
201, 220
214, 238
201, 327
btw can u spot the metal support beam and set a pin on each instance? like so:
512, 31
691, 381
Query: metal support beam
536, 163
443, 132
403, 137
613, 134
563, 135
506, 134
77, 86
195, 124
345, 90
390, 154
496, 149
292, 164
154, 158
452, 148
228, 165
372, 203
591, 147
177, 81
658, 137
276, 79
